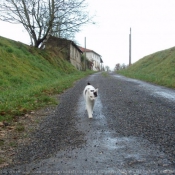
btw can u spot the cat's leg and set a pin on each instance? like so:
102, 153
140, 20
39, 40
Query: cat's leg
85, 103
90, 113
89, 110
92, 107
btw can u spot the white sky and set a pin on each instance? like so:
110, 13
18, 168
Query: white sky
152, 23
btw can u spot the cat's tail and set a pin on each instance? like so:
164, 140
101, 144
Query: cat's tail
88, 83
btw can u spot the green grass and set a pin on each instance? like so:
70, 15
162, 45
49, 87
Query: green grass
158, 68
105, 74
1, 142
29, 76
2, 160
20, 127
13, 144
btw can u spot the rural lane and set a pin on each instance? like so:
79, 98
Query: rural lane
132, 132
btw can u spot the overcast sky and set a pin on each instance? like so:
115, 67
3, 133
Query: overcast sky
152, 23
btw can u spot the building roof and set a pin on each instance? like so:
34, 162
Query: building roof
70, 41
85, 50
89, 50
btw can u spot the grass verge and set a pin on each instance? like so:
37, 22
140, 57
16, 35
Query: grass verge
158, 68
29, 76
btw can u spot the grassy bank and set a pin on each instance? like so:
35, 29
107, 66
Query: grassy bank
29, 76
158, 68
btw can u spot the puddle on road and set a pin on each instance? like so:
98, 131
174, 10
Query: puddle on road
158, 91
170, 96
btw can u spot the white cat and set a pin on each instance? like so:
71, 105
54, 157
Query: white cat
90, 94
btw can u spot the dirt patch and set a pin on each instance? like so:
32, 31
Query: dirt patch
19, 131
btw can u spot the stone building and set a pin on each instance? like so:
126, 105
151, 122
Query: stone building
71, 52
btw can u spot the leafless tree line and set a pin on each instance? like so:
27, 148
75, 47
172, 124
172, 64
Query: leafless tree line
119, 66
40, 18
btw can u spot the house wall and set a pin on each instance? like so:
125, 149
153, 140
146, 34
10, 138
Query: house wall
75, 57
95, 58
70, 52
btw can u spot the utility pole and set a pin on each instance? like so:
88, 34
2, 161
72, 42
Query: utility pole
85, 54
130, 48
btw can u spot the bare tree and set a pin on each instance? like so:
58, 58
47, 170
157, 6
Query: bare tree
117, 66
41, 18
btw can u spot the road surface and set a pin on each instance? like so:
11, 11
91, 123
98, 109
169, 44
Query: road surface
131, 133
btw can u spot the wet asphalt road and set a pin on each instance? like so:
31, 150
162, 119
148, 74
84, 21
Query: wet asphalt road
115, 143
